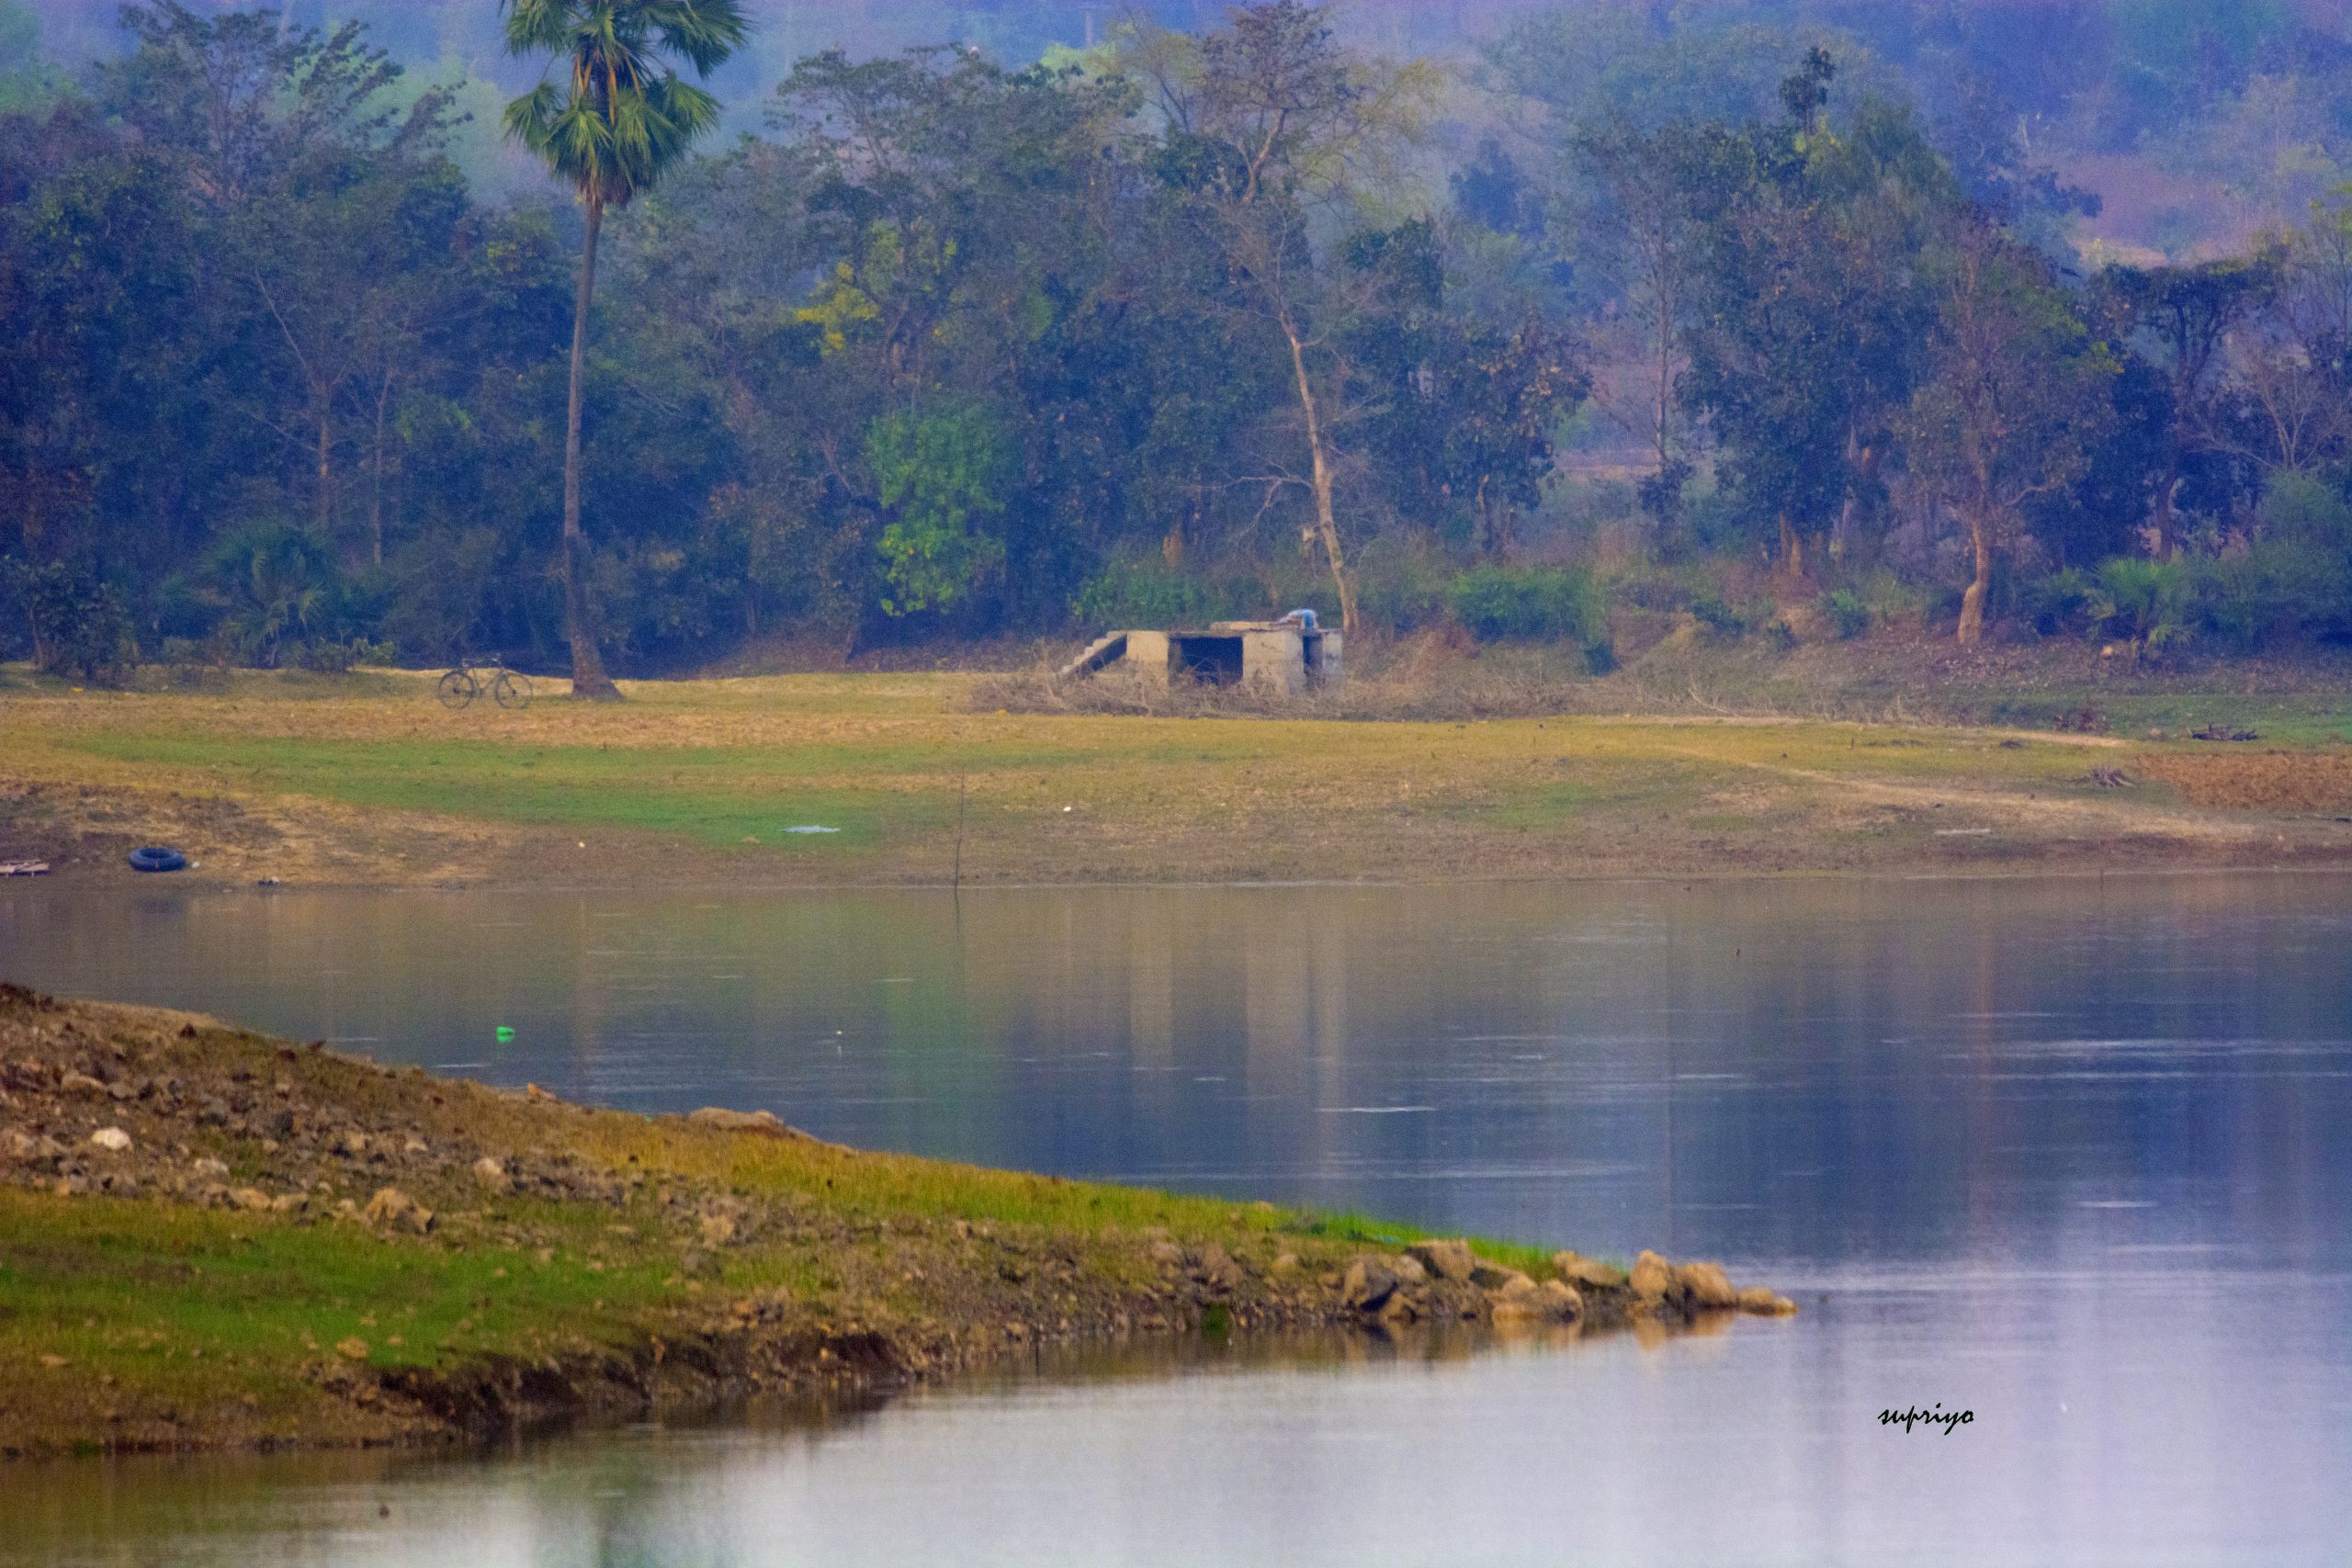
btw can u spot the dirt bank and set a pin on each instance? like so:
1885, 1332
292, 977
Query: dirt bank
211, 1239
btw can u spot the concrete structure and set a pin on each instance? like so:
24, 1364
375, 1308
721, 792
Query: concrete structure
1286, 657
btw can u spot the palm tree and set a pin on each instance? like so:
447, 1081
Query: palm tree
620, 119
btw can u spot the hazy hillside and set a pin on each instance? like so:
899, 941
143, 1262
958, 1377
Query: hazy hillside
2194, 121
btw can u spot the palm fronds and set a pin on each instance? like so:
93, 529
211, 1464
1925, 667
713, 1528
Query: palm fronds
619, 115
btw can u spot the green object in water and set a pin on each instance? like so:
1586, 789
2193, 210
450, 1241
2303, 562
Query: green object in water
505, 1034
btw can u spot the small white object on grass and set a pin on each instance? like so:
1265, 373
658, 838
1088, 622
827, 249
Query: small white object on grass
113, 1138
812, 830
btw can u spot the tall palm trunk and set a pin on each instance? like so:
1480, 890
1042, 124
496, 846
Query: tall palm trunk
375, 490
322, 494
588, 677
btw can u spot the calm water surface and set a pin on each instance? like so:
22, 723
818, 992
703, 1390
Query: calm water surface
2076, 1156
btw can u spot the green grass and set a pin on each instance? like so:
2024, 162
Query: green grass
136, 1287
703, 795
1528, 1257
1541, 806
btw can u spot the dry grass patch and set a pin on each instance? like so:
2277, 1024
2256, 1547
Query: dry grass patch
2262, 781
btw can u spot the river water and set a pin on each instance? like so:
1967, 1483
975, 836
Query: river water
2071, 1155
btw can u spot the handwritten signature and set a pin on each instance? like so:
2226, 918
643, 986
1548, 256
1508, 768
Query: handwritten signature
1907, 1419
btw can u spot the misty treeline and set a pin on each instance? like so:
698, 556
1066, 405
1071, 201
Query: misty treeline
1186, 326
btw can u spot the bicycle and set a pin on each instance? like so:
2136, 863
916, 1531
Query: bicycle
508, 688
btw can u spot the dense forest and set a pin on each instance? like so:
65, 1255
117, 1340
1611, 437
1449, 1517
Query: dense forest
1795, 320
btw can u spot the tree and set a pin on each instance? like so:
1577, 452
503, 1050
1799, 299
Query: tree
1808, 316
76, 619
2014, 397
104, 331
327, 205
1644, 219
939, 470
1459, 404
2187, 314
978, 240
620, 120
1269, 124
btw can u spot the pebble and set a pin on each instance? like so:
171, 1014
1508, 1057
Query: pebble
391, 1206
113, 1138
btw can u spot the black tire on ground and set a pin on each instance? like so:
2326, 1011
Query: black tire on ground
155, 857
513, 691
457, 689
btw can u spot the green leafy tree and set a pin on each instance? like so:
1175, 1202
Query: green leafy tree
2015, 397
1811, 318
941, 473
1458, 406
987, 235
104, 331
619, 120
77, 621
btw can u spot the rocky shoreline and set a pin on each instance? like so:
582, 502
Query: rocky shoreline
412, 1260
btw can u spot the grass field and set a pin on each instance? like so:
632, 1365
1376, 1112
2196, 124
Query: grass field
367, 780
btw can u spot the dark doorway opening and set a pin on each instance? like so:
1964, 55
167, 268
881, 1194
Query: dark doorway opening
1210, 660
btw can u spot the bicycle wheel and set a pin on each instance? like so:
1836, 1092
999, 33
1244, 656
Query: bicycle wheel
513, 691
457, 689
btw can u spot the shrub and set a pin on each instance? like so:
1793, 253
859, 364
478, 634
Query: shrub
1719, 615
2148, 602
2298, 576
338, 657
1847, 614
1530, 602
1396, 589
2301, 511
2282, 588
280, 597
79, 624
2063, 601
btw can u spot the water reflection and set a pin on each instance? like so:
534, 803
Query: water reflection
1757, 1446
2075, 1154
1796, 1073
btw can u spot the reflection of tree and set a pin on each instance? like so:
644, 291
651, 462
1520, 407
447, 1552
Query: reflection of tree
1856, 1074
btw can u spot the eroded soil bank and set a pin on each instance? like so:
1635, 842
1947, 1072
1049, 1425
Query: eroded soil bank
211, 1239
